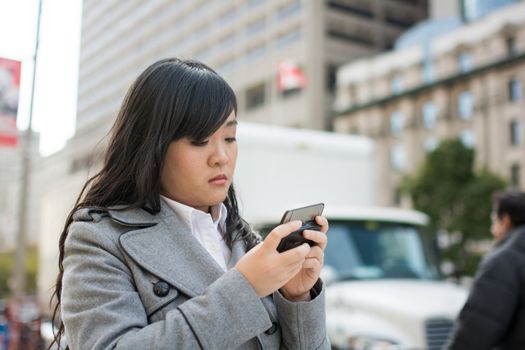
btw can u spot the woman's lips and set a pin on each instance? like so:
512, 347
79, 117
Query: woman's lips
219, 180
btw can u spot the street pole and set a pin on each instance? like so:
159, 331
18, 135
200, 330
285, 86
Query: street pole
19, 276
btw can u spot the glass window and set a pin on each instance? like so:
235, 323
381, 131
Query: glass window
352, 92
511, 46
465, 105
430, 113
515, 90
228, 41
204, 53
352, 7
515, 176
256, 52
428, 72
428, 65
254, 3
201, 33
331, 77
515, 133
228, 17
256, 27
228, 65
430, 144
396, 84
465, 62
288, 38
468, 138
397, 123
397, 157
255, 96
397, 196
289, 10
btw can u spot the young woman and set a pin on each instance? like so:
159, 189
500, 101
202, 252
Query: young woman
154, 254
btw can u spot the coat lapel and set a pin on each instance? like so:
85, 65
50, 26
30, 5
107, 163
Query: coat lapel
170, 251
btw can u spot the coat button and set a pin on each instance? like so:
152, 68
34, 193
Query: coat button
161, 289
273, 328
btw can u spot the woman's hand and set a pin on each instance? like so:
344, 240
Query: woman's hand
268, 270
298, 287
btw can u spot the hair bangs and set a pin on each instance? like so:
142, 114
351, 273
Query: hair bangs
210, 101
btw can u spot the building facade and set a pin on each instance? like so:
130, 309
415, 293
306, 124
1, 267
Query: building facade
466, 83
244, 40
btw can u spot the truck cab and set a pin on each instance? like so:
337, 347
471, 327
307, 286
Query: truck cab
384, 289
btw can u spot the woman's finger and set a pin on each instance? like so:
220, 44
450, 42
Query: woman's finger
316, 252
318, 237
295, 254
312, 263
274, 237
321, 220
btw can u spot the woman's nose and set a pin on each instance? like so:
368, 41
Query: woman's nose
219, 155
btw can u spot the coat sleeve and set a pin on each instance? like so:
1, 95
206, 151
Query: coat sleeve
303, 323
101, 308
488, 312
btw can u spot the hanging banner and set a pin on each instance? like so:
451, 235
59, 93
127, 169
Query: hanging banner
9, 91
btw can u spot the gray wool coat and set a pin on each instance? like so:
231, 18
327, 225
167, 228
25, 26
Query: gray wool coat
133, 280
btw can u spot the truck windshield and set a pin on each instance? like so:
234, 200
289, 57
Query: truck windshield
364, 250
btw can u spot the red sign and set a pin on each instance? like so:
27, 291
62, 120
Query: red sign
9, 91
290, 76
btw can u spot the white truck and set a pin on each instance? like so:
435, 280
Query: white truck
383, 285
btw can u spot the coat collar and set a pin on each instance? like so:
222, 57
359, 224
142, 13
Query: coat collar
164, 245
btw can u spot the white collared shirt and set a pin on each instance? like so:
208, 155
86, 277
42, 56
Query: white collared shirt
207, 231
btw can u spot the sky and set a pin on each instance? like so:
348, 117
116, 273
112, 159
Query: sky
56, 83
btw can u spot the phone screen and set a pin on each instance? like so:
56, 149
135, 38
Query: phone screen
304, 214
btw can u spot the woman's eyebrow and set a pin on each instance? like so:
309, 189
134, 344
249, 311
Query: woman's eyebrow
232, 122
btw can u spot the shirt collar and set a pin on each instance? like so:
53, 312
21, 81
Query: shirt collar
190, 215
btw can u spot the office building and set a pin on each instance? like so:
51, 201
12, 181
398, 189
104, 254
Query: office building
246, 41
457, 80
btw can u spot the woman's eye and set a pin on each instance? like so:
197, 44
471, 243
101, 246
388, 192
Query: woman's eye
231, 139
199, 142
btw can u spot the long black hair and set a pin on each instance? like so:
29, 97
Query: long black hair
170, 100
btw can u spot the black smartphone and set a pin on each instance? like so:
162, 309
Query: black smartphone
307, 216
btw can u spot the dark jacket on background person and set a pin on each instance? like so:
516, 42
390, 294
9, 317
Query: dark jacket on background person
494, 314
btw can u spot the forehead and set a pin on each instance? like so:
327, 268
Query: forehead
231, 121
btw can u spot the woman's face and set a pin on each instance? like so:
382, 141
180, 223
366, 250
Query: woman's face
199, 173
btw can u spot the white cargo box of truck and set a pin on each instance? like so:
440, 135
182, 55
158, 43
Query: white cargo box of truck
278, 168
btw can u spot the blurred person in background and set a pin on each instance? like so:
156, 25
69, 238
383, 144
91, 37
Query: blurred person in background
494, 315
23, 320
155, 255
4, 327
